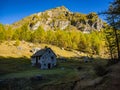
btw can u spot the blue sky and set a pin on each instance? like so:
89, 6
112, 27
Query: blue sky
14, 10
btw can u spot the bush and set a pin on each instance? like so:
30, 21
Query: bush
111, 62
17, 43
100, 70
79, 68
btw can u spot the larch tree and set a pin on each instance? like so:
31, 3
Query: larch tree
113, 18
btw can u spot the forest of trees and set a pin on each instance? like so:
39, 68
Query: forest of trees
89, 43
113, 31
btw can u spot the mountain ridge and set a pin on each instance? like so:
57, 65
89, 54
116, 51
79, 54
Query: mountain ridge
61, 18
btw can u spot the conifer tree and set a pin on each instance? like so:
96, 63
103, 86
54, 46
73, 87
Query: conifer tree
113, 18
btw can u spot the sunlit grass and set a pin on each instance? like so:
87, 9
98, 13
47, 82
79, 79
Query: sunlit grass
8, 49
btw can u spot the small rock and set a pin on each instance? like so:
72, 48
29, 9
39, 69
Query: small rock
37, 78
62, 68
19, 48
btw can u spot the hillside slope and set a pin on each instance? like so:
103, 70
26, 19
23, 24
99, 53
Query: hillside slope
62, 18
9, 49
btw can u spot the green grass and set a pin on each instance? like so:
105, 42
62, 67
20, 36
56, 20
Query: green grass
10, 64
21, 68
30, 73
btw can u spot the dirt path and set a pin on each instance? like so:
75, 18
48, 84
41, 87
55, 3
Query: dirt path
111, 81
114, 83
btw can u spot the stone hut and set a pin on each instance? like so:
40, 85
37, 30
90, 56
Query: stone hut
44, 58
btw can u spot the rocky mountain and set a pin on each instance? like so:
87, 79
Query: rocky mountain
63, 19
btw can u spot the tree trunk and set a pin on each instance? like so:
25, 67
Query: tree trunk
117, 43
116, 38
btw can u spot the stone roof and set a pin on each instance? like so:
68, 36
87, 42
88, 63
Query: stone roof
41, 52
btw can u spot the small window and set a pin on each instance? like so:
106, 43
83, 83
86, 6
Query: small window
44, 64
52, 57
52, 64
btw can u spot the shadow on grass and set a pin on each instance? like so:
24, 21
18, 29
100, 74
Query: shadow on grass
81, 60
64, 74
11, 64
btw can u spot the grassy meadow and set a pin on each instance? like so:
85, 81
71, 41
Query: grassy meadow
72, 69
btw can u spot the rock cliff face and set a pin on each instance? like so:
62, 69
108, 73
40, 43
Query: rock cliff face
61, 18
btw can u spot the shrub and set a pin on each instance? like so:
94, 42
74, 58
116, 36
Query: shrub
100, 70
111, 62
17, 43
